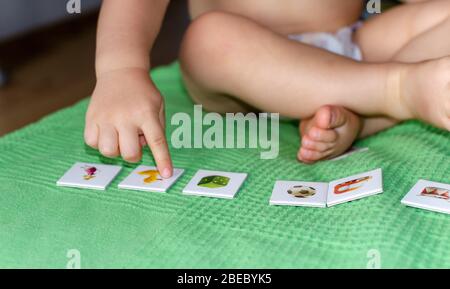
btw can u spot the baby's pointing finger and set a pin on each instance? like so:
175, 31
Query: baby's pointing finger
155, 137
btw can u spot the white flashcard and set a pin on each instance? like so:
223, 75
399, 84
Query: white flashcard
293, 193
215, 184
89, 176
145, 178
352, 151
355, 187
430, 196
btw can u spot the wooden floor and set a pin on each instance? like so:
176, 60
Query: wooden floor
54, 67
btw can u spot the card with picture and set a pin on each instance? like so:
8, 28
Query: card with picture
89, 176
215, 184
355, 187
147, 178
430, 196
292, 193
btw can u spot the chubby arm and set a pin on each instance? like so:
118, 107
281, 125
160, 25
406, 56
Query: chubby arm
126, 32
126, 109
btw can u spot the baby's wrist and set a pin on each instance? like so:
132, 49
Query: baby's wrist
106, 64
125, 69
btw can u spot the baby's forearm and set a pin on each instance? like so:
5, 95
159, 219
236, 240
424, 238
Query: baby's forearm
126, 33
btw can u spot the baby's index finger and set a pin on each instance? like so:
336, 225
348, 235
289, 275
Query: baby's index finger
166, 173
156, 140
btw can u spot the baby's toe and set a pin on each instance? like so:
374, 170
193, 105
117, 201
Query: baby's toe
323, 116
322, 135
319, 146
311, 156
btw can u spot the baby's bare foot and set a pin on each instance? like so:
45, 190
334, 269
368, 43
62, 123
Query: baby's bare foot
328, 134
424, 92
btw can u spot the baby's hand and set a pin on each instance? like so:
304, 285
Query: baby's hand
127, 111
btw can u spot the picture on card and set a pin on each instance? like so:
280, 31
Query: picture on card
147, 178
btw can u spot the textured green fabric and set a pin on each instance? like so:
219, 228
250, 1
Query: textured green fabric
40, 222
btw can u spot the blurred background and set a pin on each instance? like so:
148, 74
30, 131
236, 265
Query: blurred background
47, 55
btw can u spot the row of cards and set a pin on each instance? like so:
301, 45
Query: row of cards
327, 194
425, 195
145, 178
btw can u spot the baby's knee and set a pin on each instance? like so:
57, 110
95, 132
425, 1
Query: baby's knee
211, 41
212, 26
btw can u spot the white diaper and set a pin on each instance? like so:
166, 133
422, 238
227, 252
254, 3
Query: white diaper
340, 42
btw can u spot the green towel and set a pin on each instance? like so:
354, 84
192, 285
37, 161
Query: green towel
40, 222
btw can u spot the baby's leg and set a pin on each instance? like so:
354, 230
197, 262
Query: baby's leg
408, 33
228, 55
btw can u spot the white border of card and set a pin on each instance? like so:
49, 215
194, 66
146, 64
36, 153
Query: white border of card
227, 191
433, 202
155, 183
313, 194
89, 176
